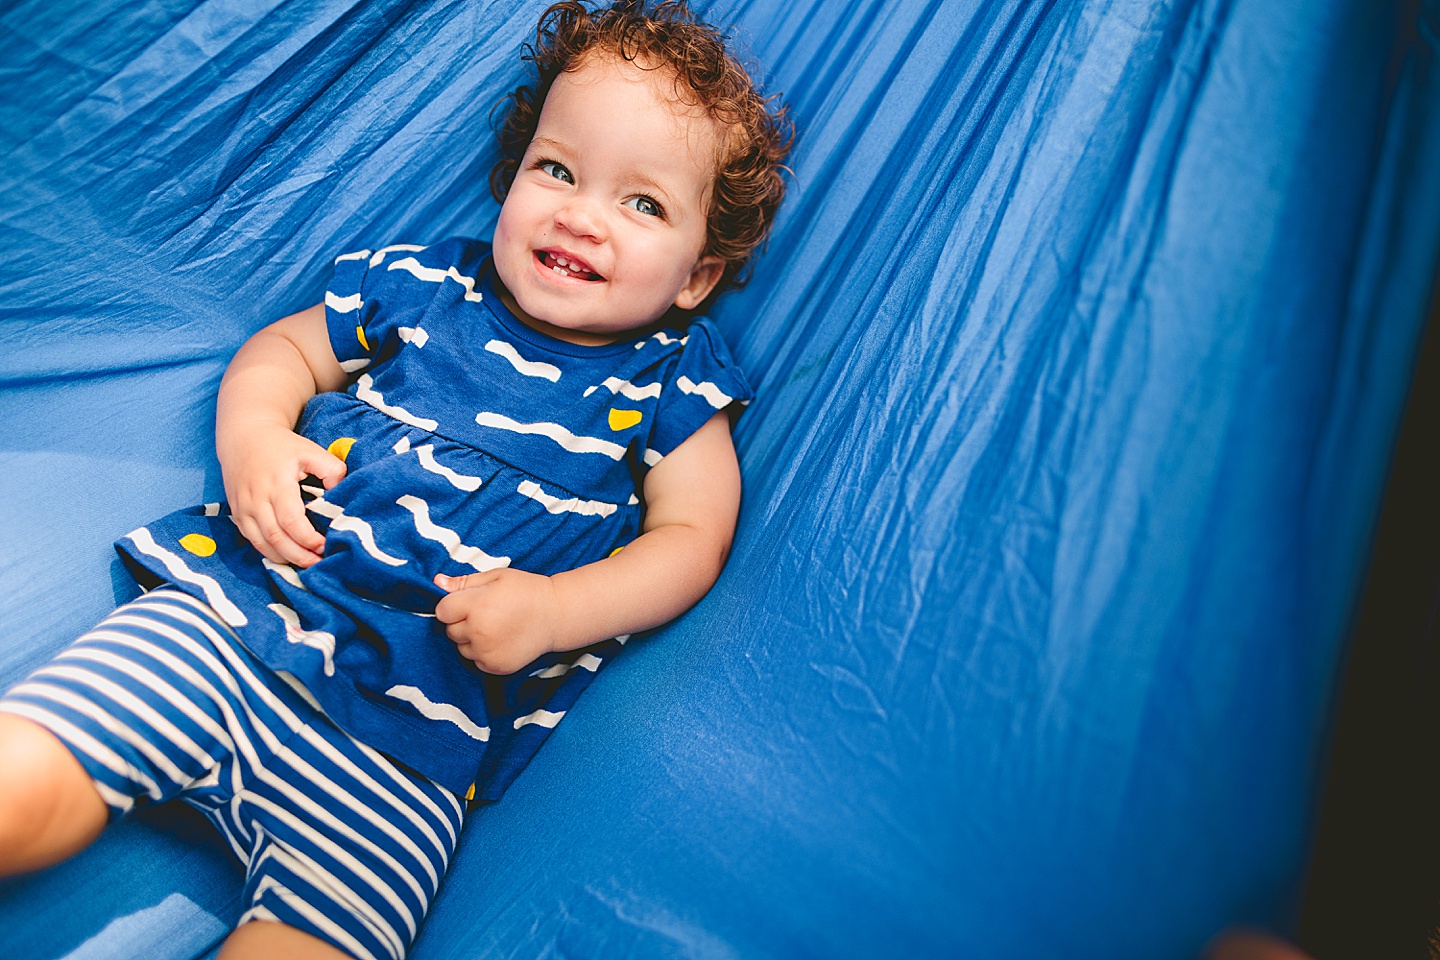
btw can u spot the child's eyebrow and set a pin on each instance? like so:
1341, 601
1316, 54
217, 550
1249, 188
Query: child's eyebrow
543, 142
649, 184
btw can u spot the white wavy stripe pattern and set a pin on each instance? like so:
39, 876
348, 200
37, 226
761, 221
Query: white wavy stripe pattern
435, 275
315, 639
343, 304
284, 571
365, 390
177, 569
562, 436
627, 389
340, 520
552, 504
438, 711
664, 339
380, 254
449, 539
460, 481
586, 661
530, 368
348, 304
542, 718
713, 395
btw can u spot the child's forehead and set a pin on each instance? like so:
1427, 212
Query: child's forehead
644, 88
661, 81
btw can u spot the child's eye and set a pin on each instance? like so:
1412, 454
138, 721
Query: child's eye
646, 206
556, 170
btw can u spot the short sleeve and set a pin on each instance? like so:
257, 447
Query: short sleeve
354, 304
705, 381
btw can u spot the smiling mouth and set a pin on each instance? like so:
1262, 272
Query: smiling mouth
564, 266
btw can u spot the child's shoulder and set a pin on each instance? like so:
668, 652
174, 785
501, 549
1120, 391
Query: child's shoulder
698, 355
698, 342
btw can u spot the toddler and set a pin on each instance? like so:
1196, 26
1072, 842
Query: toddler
508, 458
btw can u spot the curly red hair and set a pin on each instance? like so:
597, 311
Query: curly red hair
758, 133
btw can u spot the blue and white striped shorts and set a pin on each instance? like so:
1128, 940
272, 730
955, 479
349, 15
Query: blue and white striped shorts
161, 700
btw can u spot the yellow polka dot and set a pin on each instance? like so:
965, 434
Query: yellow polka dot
360, 335
615, 551
470, 794
341, 446
622, 419
198, 544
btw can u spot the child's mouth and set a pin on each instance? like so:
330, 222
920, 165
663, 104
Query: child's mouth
565, 266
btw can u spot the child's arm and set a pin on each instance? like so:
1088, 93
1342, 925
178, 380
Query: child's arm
262, 458
503, 619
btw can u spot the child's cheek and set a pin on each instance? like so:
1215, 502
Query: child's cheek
505, 251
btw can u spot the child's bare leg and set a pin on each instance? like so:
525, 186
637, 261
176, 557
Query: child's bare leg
49, 807
264, 940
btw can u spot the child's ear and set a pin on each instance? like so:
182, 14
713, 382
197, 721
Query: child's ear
703, 277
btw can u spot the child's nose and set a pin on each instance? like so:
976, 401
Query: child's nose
579, 217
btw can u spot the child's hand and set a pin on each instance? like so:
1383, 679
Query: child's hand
500, 619
262, 475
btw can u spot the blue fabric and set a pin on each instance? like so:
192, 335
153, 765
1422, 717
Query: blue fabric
1079, 350
471, 443
161, 701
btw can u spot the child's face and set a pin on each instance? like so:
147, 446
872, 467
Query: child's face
603, 227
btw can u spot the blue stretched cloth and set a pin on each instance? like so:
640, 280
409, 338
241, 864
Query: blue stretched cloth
1080, 348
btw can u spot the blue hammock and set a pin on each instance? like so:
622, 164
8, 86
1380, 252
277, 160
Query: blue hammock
1081, 345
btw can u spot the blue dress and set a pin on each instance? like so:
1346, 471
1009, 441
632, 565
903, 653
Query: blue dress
471, 442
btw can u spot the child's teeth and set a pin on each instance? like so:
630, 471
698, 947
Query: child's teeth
566, 267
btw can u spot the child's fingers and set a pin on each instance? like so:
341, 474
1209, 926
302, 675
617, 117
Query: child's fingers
250, 528
324, 466
467, 582
449, 610
295, 523
460, 601
266, 533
